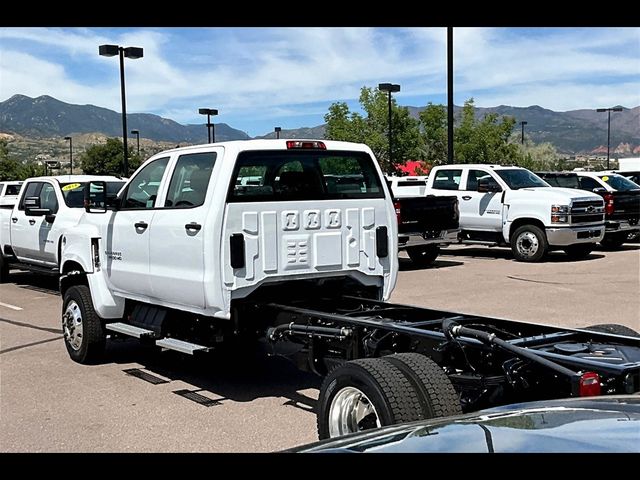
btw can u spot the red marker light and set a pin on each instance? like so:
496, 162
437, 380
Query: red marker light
306, 144
590, 384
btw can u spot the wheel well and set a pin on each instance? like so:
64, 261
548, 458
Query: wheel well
72, 274
524, 221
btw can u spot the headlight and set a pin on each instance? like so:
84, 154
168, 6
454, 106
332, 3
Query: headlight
559, 208
559, 218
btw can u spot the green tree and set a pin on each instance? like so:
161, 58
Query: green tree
13, 169
372, 128
433, 123
540, 157
106, 159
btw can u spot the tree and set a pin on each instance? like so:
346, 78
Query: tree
433, 122
372, 129
12, 169
539, 157
107, 159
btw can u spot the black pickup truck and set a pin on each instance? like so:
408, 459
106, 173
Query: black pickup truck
425, 223
621, 201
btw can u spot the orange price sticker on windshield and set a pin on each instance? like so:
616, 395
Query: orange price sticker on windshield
71, 186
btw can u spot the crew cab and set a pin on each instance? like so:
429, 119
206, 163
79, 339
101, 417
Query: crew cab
9, 193
504, 205
622, 205
31, 230
424, 222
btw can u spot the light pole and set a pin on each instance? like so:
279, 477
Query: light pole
277, 130
133, 53
609, 110
389, 88
449, 95
70, 154
210, 128
137, 134
523, 123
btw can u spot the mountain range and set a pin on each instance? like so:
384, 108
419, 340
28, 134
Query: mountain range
571, 132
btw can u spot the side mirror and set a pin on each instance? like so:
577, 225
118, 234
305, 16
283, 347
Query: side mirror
599, 190
485, 186
95, 197
32, 207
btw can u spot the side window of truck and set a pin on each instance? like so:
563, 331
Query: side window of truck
475, 175
447, 179
587, 183
188, 187
143, 188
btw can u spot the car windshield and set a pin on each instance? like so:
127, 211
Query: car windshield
620, 183
517, 178
74, 192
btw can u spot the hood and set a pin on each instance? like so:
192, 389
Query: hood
559, 194
568, 426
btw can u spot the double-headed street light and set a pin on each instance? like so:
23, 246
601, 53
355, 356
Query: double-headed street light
389, 88
129, 52
137, 134
609, 110
70, 154
277, 130
211, 133
523, 123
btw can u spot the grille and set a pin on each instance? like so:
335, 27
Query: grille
588, 211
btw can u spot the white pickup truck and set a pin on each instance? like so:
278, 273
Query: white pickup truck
31, 229
9, 193
502, 205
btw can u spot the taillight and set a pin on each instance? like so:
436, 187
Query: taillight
396, 205
589, 384
608, 204
306, 144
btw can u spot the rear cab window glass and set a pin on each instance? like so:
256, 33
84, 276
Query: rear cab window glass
447, 179
304, 175
12, 190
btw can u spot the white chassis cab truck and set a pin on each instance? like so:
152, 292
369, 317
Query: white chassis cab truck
193, 257
511, 206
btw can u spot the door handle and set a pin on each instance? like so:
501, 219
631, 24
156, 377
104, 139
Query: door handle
193, 226
466, 197
141, 225
32, 222
14, 219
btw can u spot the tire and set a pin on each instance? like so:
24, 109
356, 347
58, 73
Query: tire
79, 316
579, 251
369, 381
529, 244
423, 256
614, 328
437, 396
4, 270
613, 241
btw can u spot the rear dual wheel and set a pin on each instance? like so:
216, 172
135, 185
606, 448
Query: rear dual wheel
374, 392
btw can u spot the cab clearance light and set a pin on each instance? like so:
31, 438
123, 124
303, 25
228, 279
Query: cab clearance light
590, 384
302, 144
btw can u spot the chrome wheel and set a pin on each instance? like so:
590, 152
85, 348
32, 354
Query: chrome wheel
351, 411
527, 244
72, 325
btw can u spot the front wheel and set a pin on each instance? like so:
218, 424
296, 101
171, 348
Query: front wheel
529, 244
84, 334
424, 255
363, 394
578, 252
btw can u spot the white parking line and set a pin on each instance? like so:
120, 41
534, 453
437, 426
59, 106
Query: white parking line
12, 307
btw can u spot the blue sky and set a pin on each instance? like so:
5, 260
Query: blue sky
262, 77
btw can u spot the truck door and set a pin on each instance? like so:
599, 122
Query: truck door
27, 232
480, 210
126, 239
178, 231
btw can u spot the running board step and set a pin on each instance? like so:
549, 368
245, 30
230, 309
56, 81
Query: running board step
481, 242
181, 346
130, 330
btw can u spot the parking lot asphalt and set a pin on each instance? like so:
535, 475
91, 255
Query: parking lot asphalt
140, 400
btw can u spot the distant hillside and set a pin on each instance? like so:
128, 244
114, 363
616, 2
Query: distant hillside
303, 132
46, 116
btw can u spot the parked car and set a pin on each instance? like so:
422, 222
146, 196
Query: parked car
9, 193
622, 205
575, 425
